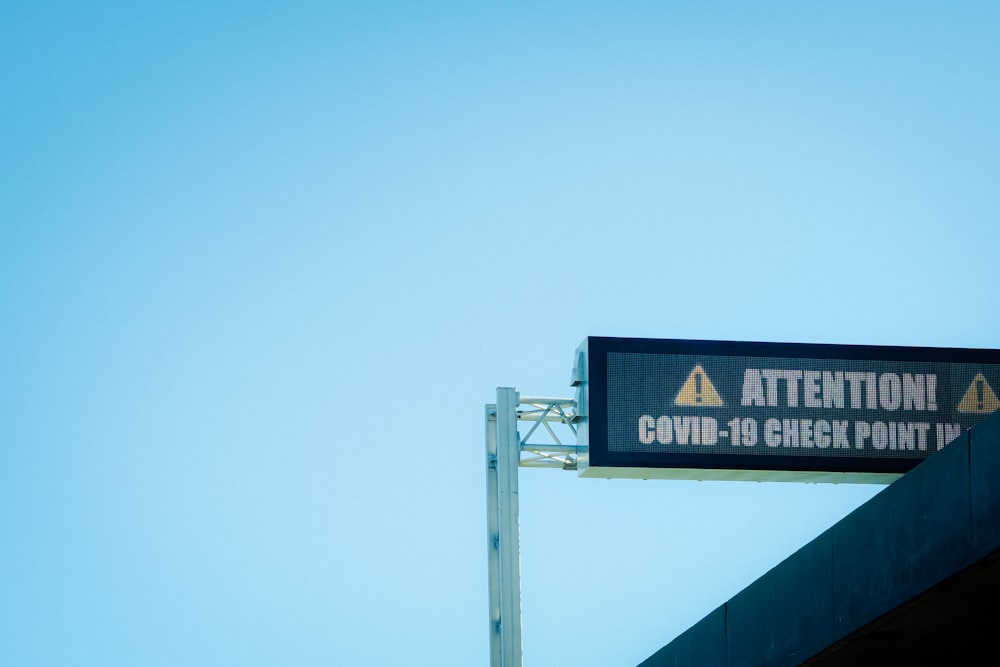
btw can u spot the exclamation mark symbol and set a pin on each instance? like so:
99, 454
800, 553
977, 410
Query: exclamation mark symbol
698, 390
979, 394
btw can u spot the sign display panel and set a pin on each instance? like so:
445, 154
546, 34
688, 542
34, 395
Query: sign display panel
727, 410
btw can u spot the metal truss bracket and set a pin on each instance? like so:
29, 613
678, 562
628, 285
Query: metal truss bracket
543, 411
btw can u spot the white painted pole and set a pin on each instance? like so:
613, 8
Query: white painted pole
503, 455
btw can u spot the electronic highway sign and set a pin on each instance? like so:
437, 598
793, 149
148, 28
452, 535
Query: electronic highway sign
698, 409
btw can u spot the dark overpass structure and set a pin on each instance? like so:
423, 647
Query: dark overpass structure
910, 577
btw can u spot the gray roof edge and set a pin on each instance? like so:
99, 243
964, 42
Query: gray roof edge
940, 518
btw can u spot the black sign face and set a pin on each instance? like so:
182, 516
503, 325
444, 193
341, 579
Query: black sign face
716, 405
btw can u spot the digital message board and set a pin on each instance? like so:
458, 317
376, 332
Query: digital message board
695, 409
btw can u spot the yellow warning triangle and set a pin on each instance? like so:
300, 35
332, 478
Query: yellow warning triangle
698, 390
979, 397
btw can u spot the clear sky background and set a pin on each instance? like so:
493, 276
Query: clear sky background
263, 264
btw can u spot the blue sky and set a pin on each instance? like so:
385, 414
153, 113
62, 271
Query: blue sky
261, 267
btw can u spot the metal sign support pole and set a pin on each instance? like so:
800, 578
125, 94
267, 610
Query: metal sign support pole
503, 454
504, 450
